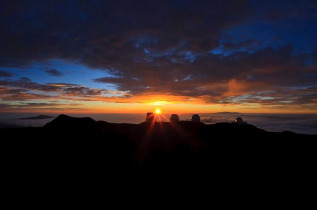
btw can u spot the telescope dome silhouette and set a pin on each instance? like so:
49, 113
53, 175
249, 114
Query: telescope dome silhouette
174, 118
149, 117
196, 118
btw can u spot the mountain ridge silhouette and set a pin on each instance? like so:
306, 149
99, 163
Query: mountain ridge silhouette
74, 143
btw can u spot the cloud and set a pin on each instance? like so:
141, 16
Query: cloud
160, 48
26, 83
24, 89
81, 91
5, 74
236, 88
42, 106
54, 72
21, 95
216, 77
113, 31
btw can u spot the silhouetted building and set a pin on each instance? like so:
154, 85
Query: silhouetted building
149, 117
174, 118
239, 120
196, 118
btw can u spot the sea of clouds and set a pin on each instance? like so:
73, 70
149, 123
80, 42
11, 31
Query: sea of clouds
299, 123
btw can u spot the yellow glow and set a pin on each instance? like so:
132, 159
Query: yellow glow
159, 103
140, 104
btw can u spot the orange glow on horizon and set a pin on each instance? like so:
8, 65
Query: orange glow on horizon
141, 104
178, 108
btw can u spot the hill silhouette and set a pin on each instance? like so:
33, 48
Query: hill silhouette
72, 143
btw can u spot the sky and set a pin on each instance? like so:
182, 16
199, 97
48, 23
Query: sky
132, 56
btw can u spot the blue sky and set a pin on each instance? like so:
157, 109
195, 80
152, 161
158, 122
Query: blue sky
73, 72
242, 53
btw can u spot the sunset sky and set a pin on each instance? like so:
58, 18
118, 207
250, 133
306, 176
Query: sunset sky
131, 56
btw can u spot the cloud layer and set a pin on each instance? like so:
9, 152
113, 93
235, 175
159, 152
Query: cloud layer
54, 72
181, 50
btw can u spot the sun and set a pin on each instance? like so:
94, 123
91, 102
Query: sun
158, 111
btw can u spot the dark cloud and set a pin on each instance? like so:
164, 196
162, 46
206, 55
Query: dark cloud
5, 74
48, 105
54, 72
111, 30
5, 106
81, 91
20, 95
160, 47
45, 105
214, 75
24, 89
26, 83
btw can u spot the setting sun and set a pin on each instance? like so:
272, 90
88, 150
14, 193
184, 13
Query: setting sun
157, 111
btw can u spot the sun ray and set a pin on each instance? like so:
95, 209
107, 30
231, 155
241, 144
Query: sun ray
158, 111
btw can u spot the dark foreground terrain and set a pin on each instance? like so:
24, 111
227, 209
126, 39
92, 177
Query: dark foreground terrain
84, 146
80, 150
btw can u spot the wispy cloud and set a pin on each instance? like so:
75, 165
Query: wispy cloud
54, 72
6, 74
